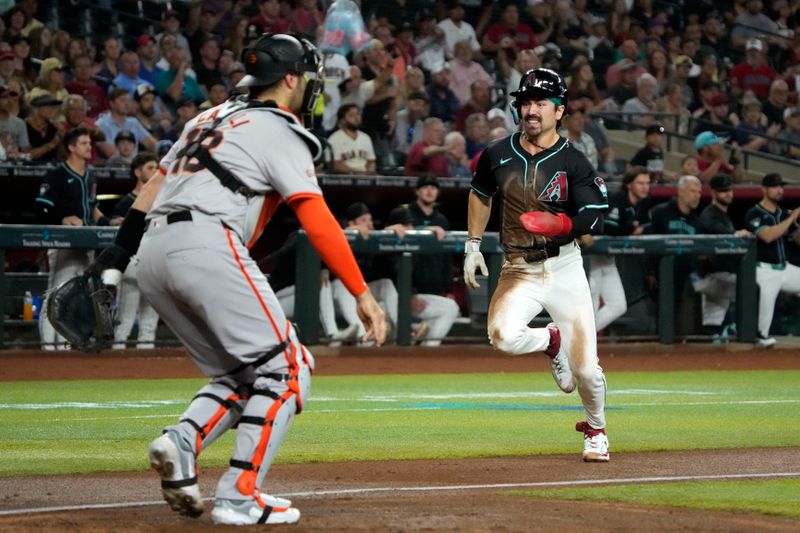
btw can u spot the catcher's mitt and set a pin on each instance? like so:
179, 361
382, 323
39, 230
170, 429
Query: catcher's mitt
81, 309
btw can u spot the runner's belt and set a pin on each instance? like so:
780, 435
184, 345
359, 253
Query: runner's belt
534, 255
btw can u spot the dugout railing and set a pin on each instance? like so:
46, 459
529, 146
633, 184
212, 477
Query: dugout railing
17, 236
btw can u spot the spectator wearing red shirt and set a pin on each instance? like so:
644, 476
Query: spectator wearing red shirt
427, 156
84, 86
753, 73
510, 34
711, 158
269, 19
480, 101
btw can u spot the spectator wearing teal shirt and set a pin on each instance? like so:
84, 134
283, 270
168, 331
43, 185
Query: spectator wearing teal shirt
174, 84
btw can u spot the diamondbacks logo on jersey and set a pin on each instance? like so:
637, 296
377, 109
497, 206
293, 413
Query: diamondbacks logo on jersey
556, 189
601, 184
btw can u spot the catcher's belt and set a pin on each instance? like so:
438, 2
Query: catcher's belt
533, 255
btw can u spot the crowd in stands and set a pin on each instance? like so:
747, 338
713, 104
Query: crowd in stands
730, 68
424, 88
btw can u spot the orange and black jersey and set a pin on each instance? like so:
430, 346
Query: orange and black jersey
559, 180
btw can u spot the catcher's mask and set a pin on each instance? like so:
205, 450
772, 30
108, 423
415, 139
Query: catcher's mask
536, 84
272, 56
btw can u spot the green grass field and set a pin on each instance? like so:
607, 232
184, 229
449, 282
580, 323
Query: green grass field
59, 427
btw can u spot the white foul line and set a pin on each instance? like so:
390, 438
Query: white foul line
439, 488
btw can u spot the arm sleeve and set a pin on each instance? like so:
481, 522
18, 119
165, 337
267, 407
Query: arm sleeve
587, 221
328, 239
47, 208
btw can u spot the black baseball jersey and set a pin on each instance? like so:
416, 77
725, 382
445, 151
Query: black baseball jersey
669, 220
758, 218
622, 214
65, 193
432, 274
792, 249
652, 160
559, 180
123, 205
717, 222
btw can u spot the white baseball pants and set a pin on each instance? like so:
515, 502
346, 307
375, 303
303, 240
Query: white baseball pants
718, 291
772, 281
605, 283
440, 313
558, 285
385, 293
130, 307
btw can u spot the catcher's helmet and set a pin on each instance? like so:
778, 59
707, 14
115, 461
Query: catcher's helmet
272, 56
541, 83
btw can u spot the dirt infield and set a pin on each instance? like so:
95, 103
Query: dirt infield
455, 495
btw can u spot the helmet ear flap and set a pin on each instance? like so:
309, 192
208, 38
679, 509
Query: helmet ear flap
515, 112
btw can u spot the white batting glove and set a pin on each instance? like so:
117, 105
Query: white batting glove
473, 260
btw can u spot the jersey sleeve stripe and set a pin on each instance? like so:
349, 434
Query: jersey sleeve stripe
612, 223
478, 191
593, 206
46, 201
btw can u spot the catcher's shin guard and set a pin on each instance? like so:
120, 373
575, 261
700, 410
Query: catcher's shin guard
266, 419
215, 409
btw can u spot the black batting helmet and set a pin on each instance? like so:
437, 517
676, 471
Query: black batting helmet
541, 83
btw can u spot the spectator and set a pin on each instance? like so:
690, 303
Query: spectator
23, 66
41, 40
751, 24
582, 81
651, 155
715, 118
509, 35
147, 50
380, 109
714, 40
83, 85
643, 102
50, 80
154, 120
236, 37
107, 70
750, 133
430, 43
629, 51
770, 223
432, 275
659, 68
672, 103
29, 7
352, 149
172, 29
15, 20
480, 101
131, 307
43, 133
7, 66
464, 72
206, 67
173, 84
776, 103
13, 130
496, 118
128, 77
625, 87
456, 29
711, 158
789, 137
683, 69
541, 20
68, 197
427, 156
718, 286
306, 18
118, 119
408, 130
477, 133
526, 60
383, 33
753, 73
443, 101
217, 94
354, 90
125, 144
709, 74
413, 83
394, 12
198, 30
74, 109
403, 48
574, 132
185, 109
689, 166
268, 19
455, 151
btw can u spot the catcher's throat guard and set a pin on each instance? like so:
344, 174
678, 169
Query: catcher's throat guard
81, 310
